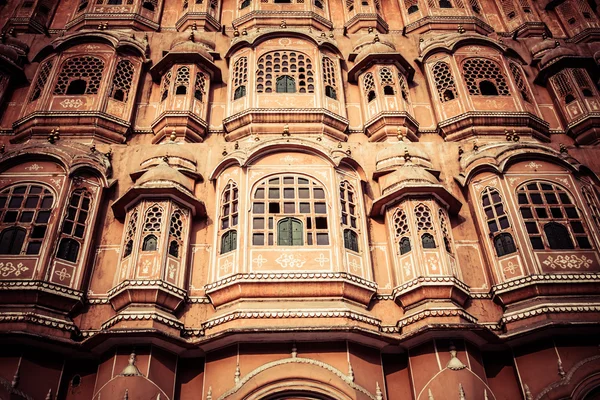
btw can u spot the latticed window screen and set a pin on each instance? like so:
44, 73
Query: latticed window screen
592, 202
80, 75
200, 86
480, 74
412, 6
182, 80
349, 210
445, 231
424, 222
403, 86
240, 77
563, 86
122, 80
520, 82
551, 218
74, 224
229, 217
300, 198
568, 12
369, 86
176, 233
329, 78
273, 66
583, 82
165, 86
386, 78
444, 82
25, 212
152, 227
41, 80
508, 8
130, 233
585, 9
401, 231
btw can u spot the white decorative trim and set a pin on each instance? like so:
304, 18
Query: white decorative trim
567, 379
544, 279
549, 309
436, 313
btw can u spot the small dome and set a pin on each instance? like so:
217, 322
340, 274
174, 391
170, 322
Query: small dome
169, 149
407, 175
193, 44
552, 55
164, 175
402, 154
542, 46
372, 45
9, 53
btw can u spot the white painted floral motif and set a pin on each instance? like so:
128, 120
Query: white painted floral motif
289, 159
565, 181
321, 260
259, 261
533, 165
71, 103
289, 261
433, 263
568, 262
407, 269
511, 267
146, 266
34, 167
355, 266
62, 274
226, 266
10, 269
172, 271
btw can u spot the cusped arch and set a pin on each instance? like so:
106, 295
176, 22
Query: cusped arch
497, 158
253, 40
74, 158
297, 374
581, 379
118, 41
262, 148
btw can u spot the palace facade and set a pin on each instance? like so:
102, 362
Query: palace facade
299, 199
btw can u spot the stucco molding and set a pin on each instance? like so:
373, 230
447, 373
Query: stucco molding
435, 313
430, 281
286, 314
567, 378
142, 316
147, 284
550, 309
544, 279
297, 360
42, 286
42, 320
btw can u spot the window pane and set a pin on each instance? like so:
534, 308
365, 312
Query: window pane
32, 202
304, 208
47, 202
74, 200
321, 223
556, 212
26, 216
15, 202
504, 223
288, 180
320, 208
35, 190
532, 186
79, 229
258, 223
11, 216
258, 208
536, 243
2, 201
493, 226
571, 212
541, 212
82, 217
20, 189
274, 181
34, 248
71, 212
536, 198
288, 193
67, 227
302, 181
260, 193
234, 220
495, 197
353, 222
273, 193
551, 198
564, 198
85, 204
545, 186
270, 222
258, 239
583, 242
531, 227
38, 232
43, 217
526, 212
289, 208
322, 239
499, 209
489, 213
303, 193
523, 198
274, 208
319, 193
577, 227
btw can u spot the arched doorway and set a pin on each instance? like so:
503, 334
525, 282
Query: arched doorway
593, 395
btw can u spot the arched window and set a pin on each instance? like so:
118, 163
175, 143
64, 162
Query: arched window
285, 71
504, 244
240, 77
445, 4
350, 240
583, 82
122, 80
200, 86
444, 82
387, 81
548, 211
290, 232
484, 78
285, 84
412, 6
27, 207
182, 80
591, 199
165, 86
401, 231
403, 86
150, 5
74, 224
229, 217
286, 196
176, 229
228, 241
68, 249
245, 3
445, 231
427, 241
404, 245
349, 210
520, 82
369, 86
80, 75
150, 243
562, 85
11, 240
329, 79
40, 82
130, 233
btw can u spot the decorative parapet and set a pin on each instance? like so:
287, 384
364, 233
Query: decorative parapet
543, 279
433, 313
42, 286
545, 309
143, 316
37, 319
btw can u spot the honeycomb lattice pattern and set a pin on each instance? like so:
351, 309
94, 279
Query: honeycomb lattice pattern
176, 228
562, 84
329, 72
444, 82
130, 235
42, 78
520, 82
386, 77
476, 70
200, 86
122, 79
153, 220
581, 78
403, 86
508, 8
278, 63
585, 9
183, 77
349, 5
400, 223
368, 82
240, 72
165, 86
445, 230
86, 68
423, 216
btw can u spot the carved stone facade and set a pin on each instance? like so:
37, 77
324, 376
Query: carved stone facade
299, 199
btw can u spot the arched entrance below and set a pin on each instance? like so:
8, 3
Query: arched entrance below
593, 395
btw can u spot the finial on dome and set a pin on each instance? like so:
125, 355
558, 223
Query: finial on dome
454, 364
376, 38
131, 369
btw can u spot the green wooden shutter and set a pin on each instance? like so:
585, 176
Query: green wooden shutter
297, 234
281, 85
284, 232
291, 85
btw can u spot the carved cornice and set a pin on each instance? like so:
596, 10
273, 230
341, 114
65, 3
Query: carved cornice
550, 309
435, 313
566, 380
147, 284
274, 14
193, 16
297, 276
430, 281
42, 286
197, 300
450, 19
543, 279
287, 314
94, 17
143, 316
42, 320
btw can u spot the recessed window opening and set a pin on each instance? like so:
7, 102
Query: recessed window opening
487, 88
371, 96
76, 87
239, 92
569, 98
445, 4
428, 241
413, 9
504, 244
148, 6
388, 90
587, 93
68, 250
